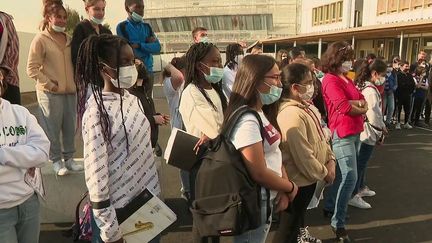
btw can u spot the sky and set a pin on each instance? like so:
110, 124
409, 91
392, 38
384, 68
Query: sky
28, 13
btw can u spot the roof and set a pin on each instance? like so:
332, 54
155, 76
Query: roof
364, 32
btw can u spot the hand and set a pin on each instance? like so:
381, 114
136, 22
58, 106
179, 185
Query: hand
159, 119
167, 118
151, 39
282, 201
55, 88
200, 142
293, 194
135, 46
331, 172
31, 171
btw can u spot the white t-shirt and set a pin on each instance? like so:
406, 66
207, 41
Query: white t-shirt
228, 80
248, 132
173, 98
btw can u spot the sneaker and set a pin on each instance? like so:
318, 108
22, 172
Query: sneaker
358, 202
73, 166
305, 237
185, 196
59, 169
341, 235
407, 126
366, 192
398, 126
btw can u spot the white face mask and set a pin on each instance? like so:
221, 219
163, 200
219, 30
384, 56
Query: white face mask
380, 81
346, 66
58, 28
127, 77
96, 20
310, 89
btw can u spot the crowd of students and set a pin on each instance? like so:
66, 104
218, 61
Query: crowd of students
319, 125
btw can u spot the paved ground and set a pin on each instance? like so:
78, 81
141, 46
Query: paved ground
400, 172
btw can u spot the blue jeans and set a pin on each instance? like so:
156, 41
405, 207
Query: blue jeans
20, 224
185, 181
258, 235
389, 106
364, 154
96, 233
345, 150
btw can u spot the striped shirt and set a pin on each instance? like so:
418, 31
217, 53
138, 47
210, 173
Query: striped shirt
110, 172
11, 54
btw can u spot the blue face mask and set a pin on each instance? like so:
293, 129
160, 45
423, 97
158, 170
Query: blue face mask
96, 20
319, 74
204, 39
273, 96
215, 76
136, 17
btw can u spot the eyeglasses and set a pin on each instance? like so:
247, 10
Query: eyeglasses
276, 76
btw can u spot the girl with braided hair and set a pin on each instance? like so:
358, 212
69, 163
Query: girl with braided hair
118, 156
234, 55
202, 101
50, 65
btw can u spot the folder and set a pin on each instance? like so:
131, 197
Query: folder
179, 151
145, 217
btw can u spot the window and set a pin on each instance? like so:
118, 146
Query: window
333, 12
339, 10
314, 17
320, 15
404, 5
416, 4
382, 7
326, 14
392, 5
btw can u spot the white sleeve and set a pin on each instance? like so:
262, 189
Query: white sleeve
168, 88
34, 153
97, 177
246, 132
374, 113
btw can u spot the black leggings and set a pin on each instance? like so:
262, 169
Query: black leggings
417, 109
293, 218
405, 102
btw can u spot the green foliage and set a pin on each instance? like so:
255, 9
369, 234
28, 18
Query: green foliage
73, 18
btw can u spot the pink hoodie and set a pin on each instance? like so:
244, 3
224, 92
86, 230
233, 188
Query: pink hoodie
337, 94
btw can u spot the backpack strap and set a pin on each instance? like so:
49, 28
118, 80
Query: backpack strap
234, 118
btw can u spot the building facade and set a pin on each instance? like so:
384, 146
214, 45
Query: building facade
227, 21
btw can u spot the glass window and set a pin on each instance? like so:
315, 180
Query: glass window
381, 7
340, 10
392, 5
404, 5
326, 13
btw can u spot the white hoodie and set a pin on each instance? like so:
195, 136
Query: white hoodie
23, 145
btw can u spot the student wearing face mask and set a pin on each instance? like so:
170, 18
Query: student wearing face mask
371, 74
281, 55
200, 34
306, 154
202, 102
346, 107
140, 36
390, 87
234, 56
118, 154
419, 96
258, 84
50, 65
404, 91
92, 25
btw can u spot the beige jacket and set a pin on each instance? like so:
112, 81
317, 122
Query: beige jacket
305, 150
50, 64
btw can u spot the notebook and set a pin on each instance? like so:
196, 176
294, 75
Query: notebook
145, 217
179, 151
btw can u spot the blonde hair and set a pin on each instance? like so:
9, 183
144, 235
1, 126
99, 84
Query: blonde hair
90, 3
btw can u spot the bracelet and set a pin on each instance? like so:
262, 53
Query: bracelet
292, 184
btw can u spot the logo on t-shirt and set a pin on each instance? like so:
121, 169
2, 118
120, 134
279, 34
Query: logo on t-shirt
271, 134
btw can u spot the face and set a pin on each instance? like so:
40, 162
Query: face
137, 7
376, 76
200, 34
212, 59
405, 68
271, 78
422, 55
58, 19
97, 10
284, 56
127, 58
256, 51
303, 86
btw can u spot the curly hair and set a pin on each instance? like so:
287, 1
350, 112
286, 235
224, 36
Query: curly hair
335, 55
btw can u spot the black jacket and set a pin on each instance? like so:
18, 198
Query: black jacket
149, 111
83, 30
406, 84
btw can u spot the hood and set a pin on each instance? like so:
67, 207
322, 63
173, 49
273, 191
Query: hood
290, 102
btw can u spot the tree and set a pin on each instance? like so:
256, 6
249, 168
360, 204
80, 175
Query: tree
73, 18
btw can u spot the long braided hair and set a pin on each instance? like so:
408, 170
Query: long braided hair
94, 50
232, 51
194, 55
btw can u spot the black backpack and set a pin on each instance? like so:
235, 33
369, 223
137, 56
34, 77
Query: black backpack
227, 199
